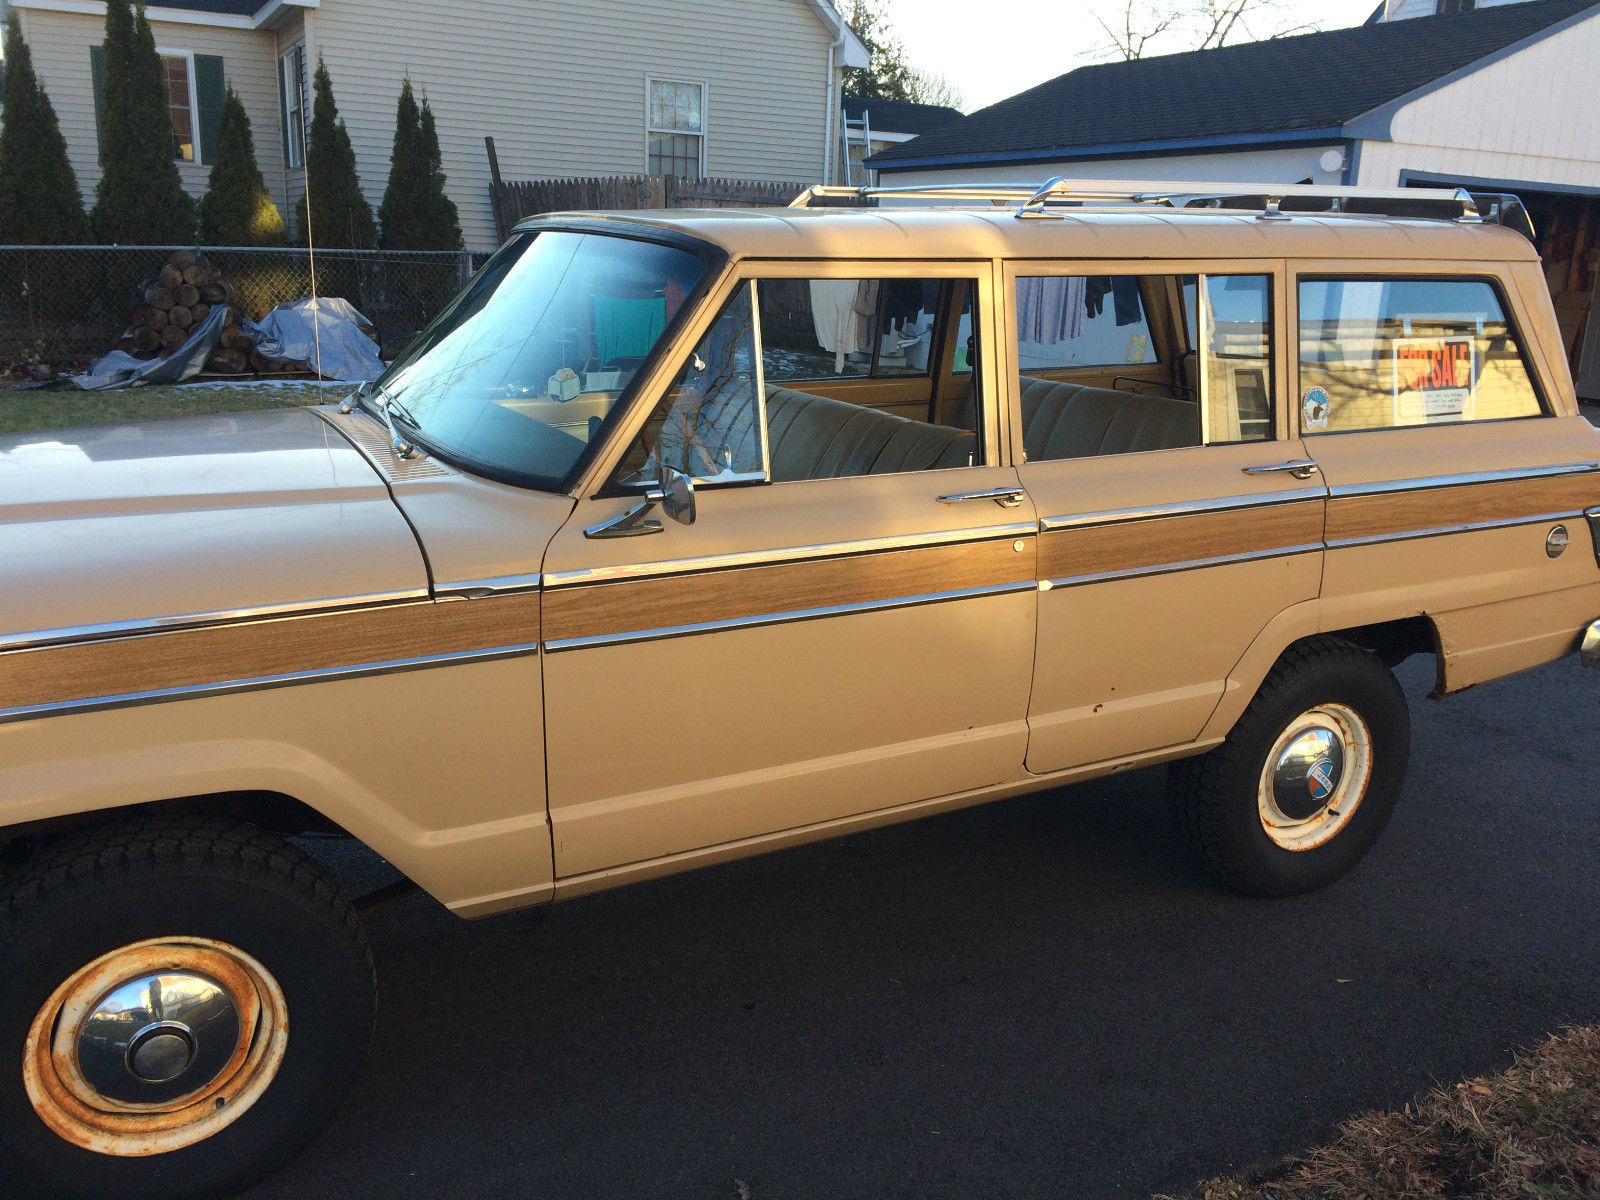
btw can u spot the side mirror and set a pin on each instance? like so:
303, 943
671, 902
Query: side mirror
675, 495
673, 491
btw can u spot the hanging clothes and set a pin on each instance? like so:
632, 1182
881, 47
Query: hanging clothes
840, 327
1095, 290
1050, 308
1125, 299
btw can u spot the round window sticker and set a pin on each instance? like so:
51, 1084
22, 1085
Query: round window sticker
1314, 409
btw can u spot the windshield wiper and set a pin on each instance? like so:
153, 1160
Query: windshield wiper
401, 447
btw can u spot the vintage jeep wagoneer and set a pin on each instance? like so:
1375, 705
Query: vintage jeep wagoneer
904, 506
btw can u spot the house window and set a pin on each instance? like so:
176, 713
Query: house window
292, 91
675, 128
1453, 6
179, 69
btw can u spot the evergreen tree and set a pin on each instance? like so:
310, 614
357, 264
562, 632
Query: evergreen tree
400, 215
443, 221
140, 197
237, 209
340, 214
39, 200
417, 214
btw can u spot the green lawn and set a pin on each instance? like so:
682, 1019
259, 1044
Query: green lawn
24, 409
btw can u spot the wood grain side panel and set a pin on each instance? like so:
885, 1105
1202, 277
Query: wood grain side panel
1161, 541
1434, 508
253, 649
595, 610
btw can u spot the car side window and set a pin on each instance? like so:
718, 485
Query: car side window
852, 377
708, 425
1398, 352
1131, 363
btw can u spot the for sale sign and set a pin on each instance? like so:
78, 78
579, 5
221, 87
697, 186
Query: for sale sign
1435, 380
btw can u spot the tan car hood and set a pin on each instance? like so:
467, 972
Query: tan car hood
206, 515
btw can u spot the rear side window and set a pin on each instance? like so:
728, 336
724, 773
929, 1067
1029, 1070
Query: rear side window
1389, 353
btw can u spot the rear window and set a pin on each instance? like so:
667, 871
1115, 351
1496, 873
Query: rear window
1392, 353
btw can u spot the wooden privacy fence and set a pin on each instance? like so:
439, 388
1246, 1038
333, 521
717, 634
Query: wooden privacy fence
514, 200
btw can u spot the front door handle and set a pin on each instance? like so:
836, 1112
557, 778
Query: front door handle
1302, 469
1010, 497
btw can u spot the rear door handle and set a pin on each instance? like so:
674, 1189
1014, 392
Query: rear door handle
1010, 497
1302, 469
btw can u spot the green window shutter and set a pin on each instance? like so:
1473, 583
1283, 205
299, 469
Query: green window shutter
97, 74
208, 83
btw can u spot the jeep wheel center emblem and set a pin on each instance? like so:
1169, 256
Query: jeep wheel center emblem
1320, 779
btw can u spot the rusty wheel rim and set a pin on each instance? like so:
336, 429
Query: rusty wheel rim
182, 1084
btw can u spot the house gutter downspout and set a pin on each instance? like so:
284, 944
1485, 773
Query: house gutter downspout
834, 49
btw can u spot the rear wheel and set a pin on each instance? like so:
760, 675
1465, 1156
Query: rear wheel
1307, 778
185, 1002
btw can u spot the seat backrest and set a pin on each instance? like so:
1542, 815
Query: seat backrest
1066, 420
815, 437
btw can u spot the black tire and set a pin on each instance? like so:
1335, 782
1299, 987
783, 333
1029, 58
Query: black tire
182, 878
1214, 798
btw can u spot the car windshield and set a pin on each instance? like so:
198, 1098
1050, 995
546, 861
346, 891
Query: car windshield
519, 373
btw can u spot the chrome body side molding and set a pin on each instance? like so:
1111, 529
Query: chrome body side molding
71, 634
630, 637
786, 554
1510, 474
229, 687
1181, 508
1192, 564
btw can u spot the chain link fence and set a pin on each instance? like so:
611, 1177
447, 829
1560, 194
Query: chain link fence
69, 304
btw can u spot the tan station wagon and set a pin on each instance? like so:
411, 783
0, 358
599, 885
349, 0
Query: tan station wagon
685, 536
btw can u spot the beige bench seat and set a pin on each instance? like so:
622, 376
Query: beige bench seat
1067, 420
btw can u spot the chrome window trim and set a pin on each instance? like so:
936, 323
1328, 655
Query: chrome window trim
663, 633
1118, 516
1170, 568
1466, 479
228, 687
1411, 535
113, 630
787, 554
496, 585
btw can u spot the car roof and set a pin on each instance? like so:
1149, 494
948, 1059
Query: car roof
1138, 232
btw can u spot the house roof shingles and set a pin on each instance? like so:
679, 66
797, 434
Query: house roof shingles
901, 116
1285, 85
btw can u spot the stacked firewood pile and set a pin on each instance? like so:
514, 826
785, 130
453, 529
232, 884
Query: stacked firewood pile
170, 306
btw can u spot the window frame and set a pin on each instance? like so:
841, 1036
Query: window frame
705, 118
1280, 274
595, 476
1514, 327
295, 157
165, 53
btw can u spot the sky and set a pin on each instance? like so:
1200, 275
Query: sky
991, 49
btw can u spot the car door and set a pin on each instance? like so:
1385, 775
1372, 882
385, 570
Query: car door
1175, 523
845, 627
1459, 476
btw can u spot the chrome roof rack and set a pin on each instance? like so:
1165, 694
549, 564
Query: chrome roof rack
1269, 201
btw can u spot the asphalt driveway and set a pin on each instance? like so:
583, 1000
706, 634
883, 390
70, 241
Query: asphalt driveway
1036, 998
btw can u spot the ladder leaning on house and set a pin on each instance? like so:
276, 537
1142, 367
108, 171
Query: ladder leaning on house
855, 132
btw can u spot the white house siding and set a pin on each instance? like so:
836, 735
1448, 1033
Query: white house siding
1243, 166
1401, 10
560, 85
60, 43
1523, 118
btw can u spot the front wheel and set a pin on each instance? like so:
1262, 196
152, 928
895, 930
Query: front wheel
185, 1001
1306, 780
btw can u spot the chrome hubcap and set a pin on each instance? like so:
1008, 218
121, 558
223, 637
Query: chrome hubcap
155, 1046
1315, 776
158, 1037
